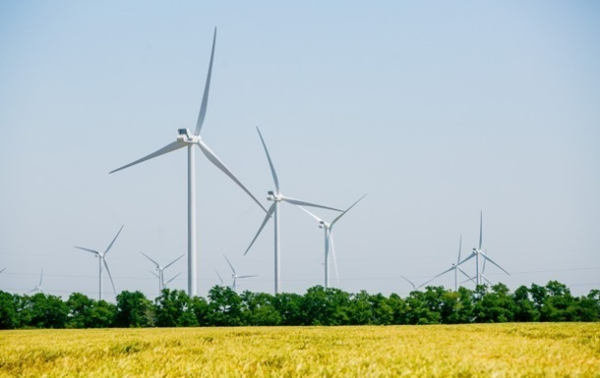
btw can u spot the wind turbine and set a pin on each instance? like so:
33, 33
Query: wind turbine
102, 260
477, 253
235, 276
186, 139
38, 287
171, 280
455, 267
328, 229
160, 269
277, 197
410, 282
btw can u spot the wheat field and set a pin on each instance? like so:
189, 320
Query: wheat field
492, 350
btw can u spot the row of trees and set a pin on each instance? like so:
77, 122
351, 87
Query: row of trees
319, 306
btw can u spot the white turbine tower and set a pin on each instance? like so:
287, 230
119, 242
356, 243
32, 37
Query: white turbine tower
277, 197
189, 140
160, 269
38, 287
328, 230
455, 267
102, 260
234, 275
478, 253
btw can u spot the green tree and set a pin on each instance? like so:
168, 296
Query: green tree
174, 309
133, 310
225, 307
46, 311
259, 309
289, 307
9, 315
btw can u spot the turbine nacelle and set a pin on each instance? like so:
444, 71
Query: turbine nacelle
272, 196
184, 136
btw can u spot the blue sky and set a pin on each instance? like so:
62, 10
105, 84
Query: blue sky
437, 110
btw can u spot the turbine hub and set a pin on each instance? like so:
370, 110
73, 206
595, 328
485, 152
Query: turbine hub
185, 136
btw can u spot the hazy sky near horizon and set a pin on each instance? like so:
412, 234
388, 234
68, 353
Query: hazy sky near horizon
436, 109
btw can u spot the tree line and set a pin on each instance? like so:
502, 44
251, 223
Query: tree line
318, 306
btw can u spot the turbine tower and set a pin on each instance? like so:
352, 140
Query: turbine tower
160, 269
38, 287
277, 197
102, 260
186, 139
328, 230
234, 275
478, 253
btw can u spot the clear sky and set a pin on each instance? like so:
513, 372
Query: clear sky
436, 109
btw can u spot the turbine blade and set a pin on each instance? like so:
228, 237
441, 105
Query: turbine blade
492, 261
168, 148
480, 229
298, 202
219, 164
204, 104
240, 277
109, 275
312, 215
154, 274
2, 270
464, 273
41, 278
444, 272
172, 262
269, 212
231, 266
459, 248
172, 279
467, 259
149, 258
410, 282
348, 209
113, 242
485, 278
220, 279
484, 261
275, 180
87, 250
335, 266
425, 283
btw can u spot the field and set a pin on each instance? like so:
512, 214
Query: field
501, 350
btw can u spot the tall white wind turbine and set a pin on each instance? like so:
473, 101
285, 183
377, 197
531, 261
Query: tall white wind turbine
328, 230
186, 139
160, 269
277, 197
455, 267
38, 287
479, 254
234, 275
102, 260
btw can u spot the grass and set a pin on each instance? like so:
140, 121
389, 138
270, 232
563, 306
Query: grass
491, 350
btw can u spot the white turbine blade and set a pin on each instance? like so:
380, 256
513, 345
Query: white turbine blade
335, 266
109, 275
485, 278
348, 209
467, 259
2, 270
173, 262
41, 277
492, 261
410, 282
87, 250
444, 272
240, 277
220, 279
204, 104
219, 164
480, 229
154, 274
298, 202
484, 261
269, 212
168, 148
113, 242
231, 266
172, 279
459, 248
465, 273
424, 283
312, 215
149, 258
275, 180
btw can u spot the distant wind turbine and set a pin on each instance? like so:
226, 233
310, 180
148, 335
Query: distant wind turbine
186, 139
328, 230
160, 269
235, 276
277, 197
38, 287
102, 260
478, 253
455, 267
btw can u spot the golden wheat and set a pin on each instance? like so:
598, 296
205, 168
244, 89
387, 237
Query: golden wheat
502, 350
